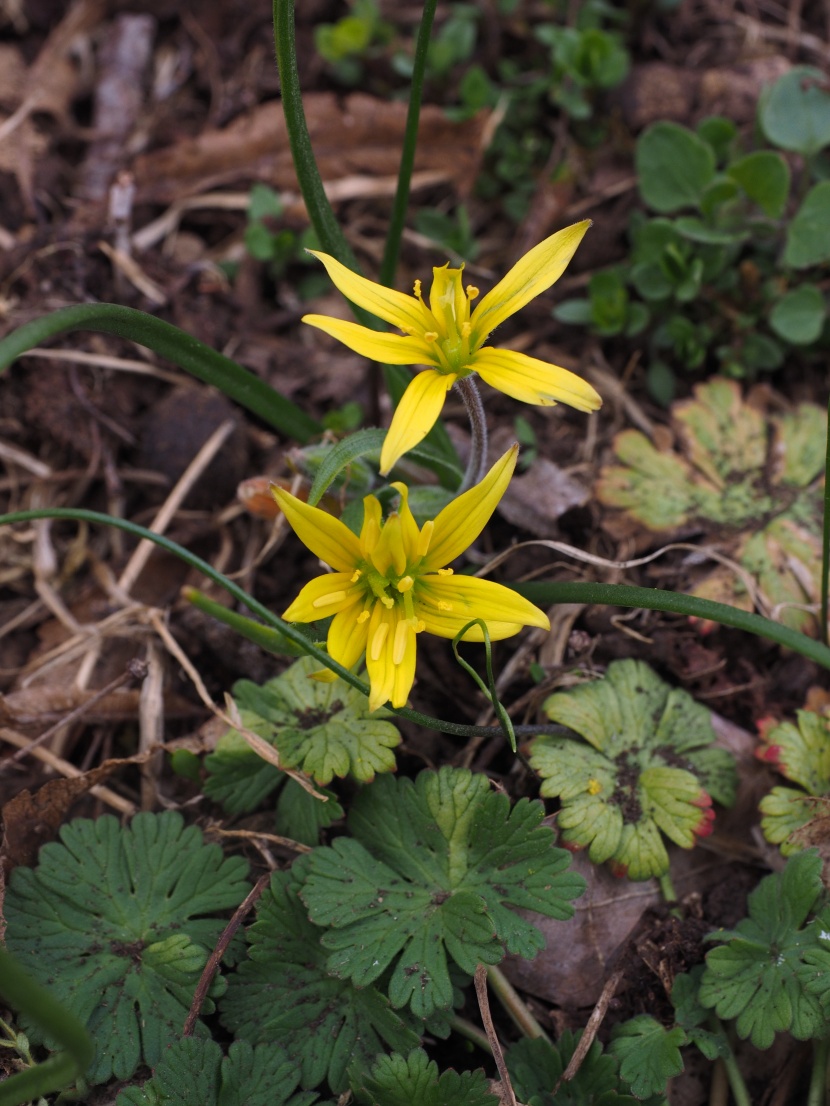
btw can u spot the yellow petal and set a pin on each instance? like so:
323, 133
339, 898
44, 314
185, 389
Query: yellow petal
402, 311
415, 416
409, 527
324, 596
391, 349
326, 536
370, 530
530, 276
461, 521
446, 603
533, 381
346, 640
390, 552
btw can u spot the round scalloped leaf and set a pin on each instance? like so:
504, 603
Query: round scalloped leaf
193, 1072
784, 811
801, 752
434, 872
284, 993
113, 921
650, 767
323, 728
536, 1067
753, 477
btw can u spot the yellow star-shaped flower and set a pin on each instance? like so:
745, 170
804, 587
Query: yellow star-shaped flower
391, 582
448, 338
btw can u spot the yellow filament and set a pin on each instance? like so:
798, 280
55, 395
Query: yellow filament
332, 597
378, 640
399, 648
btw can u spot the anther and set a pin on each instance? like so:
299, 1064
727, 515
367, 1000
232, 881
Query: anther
387, 602
445, 572
472, 292
363, 617
356, 576
405, 583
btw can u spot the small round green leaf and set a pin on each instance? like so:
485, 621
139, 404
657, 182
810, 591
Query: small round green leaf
765, 177
674, 167
799, 316
808, 235
795, 112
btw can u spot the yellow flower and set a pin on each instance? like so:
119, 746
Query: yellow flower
391, 582
445, 336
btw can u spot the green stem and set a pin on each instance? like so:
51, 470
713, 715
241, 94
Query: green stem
818, 1077
477, 464
466, 1029
825, 545
410, 142
317, 204
510, 999
733, 1072
672, 602
177, 346
667, 888
27, 996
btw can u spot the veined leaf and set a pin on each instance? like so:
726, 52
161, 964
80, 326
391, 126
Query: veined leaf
649, 1055
434, 872
413, 1080
650, 767
284, 993
116, 921
194, 1072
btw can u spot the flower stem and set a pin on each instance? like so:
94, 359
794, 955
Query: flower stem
818, 1076
825, 545
513, 1005
733, 1072
410, 142
478, 427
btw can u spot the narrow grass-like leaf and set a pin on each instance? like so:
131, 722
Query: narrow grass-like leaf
177, 346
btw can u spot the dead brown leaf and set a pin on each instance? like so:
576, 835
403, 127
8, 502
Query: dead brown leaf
30, 820
351, 135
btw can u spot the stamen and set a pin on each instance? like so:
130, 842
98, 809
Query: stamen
416, 288
331, 597
442, 606
405, 583
425, 538
445, 572
472, 292
378, 640
363, 617
431, 335
387, 602
399, 648
356, 576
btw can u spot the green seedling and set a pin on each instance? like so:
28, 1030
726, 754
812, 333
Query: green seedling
348, 42
646, 767
413, 1080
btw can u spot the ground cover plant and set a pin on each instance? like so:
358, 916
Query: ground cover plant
397, 679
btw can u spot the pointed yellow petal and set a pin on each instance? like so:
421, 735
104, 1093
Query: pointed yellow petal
461, 521
402, 311
409, 527
324, 596
530, 276
391, 349
446, 603
346, 640
370, 530
378, 656
415, 416
326, 536
533, 381
390, 552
